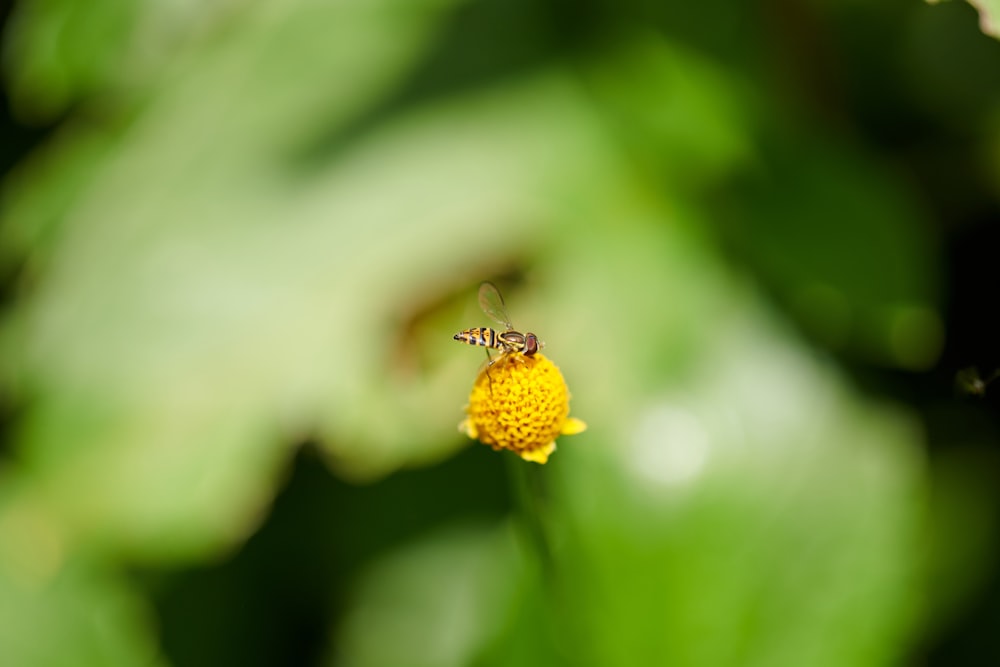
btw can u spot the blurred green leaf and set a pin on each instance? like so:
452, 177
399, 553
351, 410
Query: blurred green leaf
755, 502
682, 119
59, 607
442, 600
988, 10
797, 219
188, 321
961, 540
59, 51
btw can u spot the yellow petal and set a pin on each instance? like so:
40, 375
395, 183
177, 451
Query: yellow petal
468, 428
539, 454
573, 426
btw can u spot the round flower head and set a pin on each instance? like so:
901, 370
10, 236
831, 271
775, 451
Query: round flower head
520, 403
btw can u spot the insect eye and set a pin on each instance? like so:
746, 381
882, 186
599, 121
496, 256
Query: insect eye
530, 344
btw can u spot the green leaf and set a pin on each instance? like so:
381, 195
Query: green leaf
61, 608
989, 15
443, 601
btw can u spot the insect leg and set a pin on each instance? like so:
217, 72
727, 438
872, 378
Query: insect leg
489, 362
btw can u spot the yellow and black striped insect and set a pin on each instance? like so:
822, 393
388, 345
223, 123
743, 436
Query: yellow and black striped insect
506, 341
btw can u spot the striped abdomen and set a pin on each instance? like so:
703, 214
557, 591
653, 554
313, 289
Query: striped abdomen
482, 336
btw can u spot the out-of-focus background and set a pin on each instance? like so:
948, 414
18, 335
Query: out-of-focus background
760, 240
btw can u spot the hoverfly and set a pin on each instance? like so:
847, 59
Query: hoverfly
506, 341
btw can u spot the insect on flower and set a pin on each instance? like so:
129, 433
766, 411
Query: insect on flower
523, 406
505, 341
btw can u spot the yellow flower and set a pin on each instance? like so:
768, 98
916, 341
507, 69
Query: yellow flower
520, 403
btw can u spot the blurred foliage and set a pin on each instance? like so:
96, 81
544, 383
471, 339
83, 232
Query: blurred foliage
250, 229
989, 14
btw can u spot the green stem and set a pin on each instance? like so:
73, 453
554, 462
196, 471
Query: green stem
528, 486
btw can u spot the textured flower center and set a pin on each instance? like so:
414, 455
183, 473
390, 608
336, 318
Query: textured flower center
520, 403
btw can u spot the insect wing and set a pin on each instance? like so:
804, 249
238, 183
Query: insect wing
492, 304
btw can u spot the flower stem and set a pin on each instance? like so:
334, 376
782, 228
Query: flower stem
528, 487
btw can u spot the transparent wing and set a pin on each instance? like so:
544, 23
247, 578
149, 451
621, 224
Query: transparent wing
492, 304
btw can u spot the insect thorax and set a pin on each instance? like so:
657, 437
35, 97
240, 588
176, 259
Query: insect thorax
515, 341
